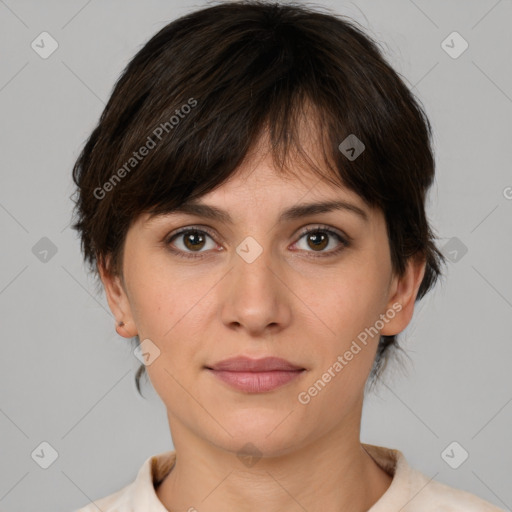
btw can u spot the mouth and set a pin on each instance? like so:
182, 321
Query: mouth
255, 375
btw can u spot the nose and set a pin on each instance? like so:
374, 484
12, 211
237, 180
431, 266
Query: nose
256, 294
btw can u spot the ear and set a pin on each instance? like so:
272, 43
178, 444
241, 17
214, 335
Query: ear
403, 291
118, 301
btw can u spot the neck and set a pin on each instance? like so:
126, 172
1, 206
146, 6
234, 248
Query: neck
333, 473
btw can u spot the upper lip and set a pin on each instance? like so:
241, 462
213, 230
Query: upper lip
246, 364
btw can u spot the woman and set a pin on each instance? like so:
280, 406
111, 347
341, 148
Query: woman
253, 200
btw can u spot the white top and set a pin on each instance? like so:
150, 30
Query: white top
410, 490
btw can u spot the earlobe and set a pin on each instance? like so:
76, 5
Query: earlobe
124, 330
405, 292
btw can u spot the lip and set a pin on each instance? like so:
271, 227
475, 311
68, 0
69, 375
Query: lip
247, 364
255, 375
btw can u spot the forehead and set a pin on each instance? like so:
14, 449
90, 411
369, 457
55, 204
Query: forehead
257, 190
278, 180
258, 179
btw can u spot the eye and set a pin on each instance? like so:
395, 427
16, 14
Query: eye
319, 238
188, 241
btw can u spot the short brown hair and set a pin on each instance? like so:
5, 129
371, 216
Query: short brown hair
214, 80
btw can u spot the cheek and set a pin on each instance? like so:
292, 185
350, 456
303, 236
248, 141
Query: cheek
347, 313
349, 299
161, 296
171, 321
169, 312
172, 309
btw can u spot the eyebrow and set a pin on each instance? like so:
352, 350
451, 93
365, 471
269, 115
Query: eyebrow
193, 207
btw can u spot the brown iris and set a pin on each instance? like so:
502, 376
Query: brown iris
319, 239
193, 239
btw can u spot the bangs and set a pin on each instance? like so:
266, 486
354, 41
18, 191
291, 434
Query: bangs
280, 107
297, 144
221, 84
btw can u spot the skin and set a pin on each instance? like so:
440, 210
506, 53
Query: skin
286, 303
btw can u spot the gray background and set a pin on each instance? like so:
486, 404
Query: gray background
66, 377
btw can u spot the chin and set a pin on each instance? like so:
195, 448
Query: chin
263, 436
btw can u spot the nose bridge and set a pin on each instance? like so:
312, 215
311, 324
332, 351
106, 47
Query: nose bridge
253, 262
255, 298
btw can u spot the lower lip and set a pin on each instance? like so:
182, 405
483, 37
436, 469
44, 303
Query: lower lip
256, 382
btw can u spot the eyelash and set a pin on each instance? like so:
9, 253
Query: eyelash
195, 255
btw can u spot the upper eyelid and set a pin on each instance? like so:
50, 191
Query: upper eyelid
186, 229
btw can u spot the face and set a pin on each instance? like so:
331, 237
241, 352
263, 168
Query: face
204, 290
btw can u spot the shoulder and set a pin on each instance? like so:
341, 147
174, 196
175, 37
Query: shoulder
434, 495
116, 502
413, 491
139, 494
